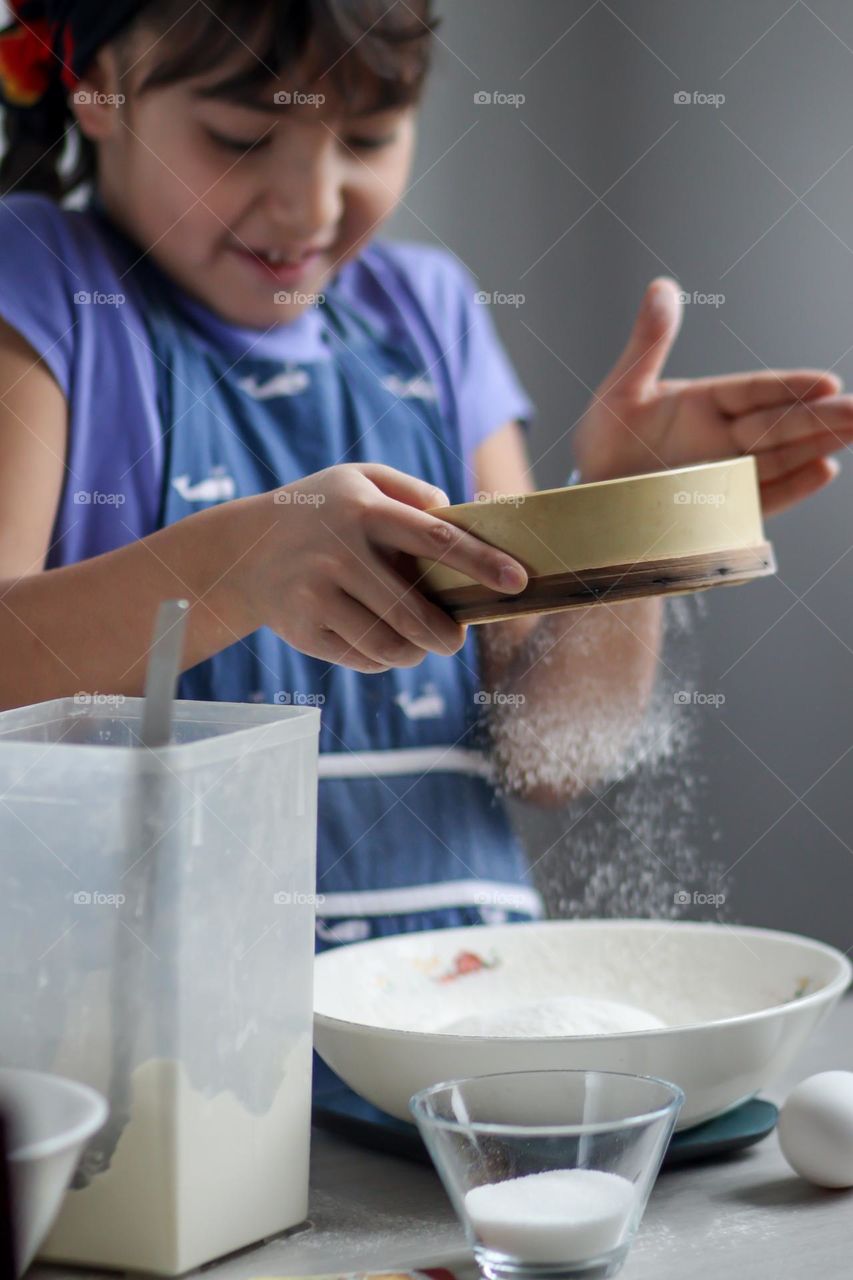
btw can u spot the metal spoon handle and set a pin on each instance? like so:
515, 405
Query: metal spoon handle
161, 679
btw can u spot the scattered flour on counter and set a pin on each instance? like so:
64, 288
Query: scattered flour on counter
563, 1016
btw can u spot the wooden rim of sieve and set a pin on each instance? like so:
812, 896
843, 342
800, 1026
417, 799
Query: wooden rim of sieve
577, 589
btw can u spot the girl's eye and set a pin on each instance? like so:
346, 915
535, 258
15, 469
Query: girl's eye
371, 144
237, 144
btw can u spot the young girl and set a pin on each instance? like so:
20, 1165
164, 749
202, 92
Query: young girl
216, 383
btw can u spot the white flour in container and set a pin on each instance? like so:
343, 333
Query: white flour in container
193, 1177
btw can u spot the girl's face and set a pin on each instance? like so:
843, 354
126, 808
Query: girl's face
221, 192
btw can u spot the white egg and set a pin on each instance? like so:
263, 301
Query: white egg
816, 1129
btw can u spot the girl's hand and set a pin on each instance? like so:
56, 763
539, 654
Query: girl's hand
791, 420
328, 565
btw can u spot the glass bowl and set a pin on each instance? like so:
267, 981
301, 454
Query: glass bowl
548, 1171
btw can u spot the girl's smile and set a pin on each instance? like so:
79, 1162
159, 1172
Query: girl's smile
284, 266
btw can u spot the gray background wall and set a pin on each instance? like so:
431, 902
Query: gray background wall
712, 196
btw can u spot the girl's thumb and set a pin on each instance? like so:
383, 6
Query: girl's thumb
652, 337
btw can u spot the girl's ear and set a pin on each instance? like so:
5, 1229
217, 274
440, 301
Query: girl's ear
96, 100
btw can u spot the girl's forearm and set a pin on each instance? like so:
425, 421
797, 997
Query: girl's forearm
88, 627
574, 688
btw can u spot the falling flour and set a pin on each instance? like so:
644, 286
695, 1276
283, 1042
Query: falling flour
563, 1215
563, 1016
631, 844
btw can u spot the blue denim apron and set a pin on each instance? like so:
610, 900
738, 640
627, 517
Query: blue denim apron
411, 834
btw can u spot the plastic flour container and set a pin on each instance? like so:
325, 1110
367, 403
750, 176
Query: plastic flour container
156, 942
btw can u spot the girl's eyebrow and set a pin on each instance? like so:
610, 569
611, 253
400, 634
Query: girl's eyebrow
239, 98
249, 101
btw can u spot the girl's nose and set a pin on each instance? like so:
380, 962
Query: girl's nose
306, 194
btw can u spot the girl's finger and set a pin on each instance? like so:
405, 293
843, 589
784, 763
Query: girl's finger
370, 636
744, 392
770, 428
774, 464
332, 648
420, 534
388, 596
403, 487
798, 485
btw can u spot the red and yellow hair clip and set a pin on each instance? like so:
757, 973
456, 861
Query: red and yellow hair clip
34, 52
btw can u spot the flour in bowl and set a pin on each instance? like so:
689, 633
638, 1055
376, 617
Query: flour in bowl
562, 1016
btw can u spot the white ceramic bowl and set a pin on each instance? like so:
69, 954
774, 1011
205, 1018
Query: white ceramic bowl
50, 1120
738, 1003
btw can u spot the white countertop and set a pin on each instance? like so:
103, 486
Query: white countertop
747, 1217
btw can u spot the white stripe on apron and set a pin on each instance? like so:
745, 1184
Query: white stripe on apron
430, 897
363, 764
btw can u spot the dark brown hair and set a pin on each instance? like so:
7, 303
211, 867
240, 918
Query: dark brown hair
374, 54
